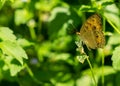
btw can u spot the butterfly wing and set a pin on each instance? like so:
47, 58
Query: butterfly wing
91, 32
87, 37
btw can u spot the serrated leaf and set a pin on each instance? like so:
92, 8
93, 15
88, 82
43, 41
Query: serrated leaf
116, 58
14, 69
13, 49
7, 34
11, 65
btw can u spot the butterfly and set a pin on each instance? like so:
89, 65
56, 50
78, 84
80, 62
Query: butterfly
91, 32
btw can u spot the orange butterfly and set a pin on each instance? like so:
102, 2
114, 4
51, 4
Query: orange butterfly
91, 32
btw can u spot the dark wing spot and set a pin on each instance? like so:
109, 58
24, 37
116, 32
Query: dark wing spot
92, 20
86, 26
94, 27
97, 36
98, 44
88, 23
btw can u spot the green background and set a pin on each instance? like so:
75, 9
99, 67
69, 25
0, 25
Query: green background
37, 43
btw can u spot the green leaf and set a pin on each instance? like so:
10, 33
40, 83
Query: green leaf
24, 42
7, 34
2, 2
85, 8
12, 65
112, 15
61, 56
114, 39
64, 43
22, 19
60, 19
12, 0
13, 49
116, 58
86, 76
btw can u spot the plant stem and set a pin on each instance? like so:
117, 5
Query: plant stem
113, 26
91, 68
32, 33
102, 70
104, 23
32, 75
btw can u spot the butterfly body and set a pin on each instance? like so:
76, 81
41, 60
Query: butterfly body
91, 32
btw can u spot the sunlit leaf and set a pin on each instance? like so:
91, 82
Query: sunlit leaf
86, 78
22, 19
7, 34
114, 39
24, 42
12, 49
116, 58
112, 15
12, 65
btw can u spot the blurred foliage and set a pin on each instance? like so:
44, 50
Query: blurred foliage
37, 43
